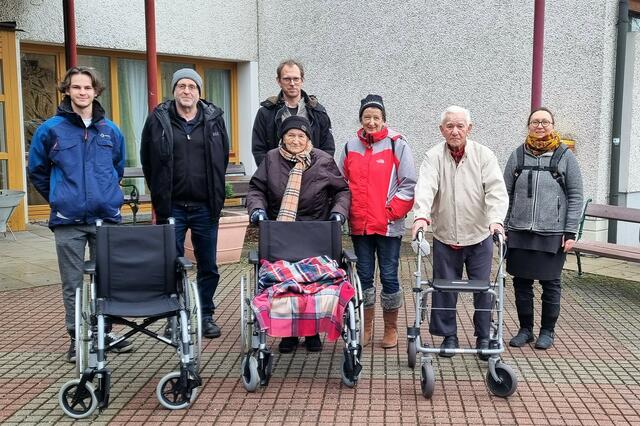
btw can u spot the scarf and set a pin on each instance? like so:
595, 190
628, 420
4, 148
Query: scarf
544, 144
371, 138
457, 155
289, 204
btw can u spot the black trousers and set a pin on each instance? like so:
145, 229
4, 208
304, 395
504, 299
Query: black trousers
551, 292
448, 264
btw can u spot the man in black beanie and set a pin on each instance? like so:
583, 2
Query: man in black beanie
184, 155
291, 100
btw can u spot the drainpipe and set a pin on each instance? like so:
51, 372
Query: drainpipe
70, 43
616, 128
538, 55
152, 60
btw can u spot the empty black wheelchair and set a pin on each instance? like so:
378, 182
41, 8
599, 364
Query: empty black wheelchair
137, 274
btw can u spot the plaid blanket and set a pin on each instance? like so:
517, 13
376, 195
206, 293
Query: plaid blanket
302, 298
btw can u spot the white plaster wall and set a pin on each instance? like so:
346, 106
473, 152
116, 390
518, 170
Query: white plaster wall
634, 139
423, 56
205, 28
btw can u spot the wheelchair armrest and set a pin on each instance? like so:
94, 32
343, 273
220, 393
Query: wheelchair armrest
349, 256
184, 264
253, 257
90, 267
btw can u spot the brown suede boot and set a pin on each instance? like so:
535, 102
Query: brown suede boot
368, 325
390, 339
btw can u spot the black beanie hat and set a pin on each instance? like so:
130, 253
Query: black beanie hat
295, 122
372, 101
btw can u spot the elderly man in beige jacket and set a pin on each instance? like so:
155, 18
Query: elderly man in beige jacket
461, 193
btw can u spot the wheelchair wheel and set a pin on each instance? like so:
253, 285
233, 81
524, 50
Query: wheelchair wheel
195, 323
170, 392
265, 367
427, 380
250, 374
412, 352
350, 369
78, 402
508, 381
246, 316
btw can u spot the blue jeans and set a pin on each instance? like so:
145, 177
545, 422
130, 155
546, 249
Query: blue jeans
387, 250
204, 236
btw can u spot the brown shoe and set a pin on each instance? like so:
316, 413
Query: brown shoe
390, 339
369, 313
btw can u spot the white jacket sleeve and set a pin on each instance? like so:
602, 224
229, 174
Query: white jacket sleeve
427, 187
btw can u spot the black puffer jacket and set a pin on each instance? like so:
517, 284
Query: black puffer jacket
323, 190
156, 156
268, 119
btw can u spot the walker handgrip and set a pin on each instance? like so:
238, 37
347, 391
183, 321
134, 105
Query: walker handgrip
420, 235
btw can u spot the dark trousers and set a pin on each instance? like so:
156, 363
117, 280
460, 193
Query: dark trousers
551, 291
204, 236
448, 264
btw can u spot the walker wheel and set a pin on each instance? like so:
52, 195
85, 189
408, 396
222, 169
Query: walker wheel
78, 402
428, 380
507, 383
412, 352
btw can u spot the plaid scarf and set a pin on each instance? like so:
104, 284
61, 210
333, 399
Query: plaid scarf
541, 145
289, 204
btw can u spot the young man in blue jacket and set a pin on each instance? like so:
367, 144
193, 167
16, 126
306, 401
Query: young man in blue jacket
76, 161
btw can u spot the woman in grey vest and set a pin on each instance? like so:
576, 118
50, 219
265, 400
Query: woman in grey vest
545, 202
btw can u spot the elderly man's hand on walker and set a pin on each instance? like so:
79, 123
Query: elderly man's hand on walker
418, 224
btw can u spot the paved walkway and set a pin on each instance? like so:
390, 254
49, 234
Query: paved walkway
591, 375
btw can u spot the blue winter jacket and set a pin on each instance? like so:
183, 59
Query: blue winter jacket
77, 169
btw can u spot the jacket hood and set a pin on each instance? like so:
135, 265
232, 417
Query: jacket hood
278, 101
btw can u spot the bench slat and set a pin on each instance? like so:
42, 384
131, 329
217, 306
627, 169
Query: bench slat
605, 211
611, 250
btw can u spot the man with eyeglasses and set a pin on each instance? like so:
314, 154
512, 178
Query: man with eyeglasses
291, 100
462, 194
184, 154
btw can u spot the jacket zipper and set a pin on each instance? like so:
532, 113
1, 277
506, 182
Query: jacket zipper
535, 194
84, 173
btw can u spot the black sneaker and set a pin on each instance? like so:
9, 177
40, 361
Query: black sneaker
288, 344
121, 347
523, 337
313, 343
209, 329
449, 342
481, 344
545, 339
71, 353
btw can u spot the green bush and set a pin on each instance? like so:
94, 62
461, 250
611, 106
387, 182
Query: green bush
228, 190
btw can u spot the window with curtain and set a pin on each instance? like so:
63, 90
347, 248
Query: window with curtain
217, 89
101, 64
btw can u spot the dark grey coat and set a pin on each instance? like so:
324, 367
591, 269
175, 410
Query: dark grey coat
550, 211
323, 190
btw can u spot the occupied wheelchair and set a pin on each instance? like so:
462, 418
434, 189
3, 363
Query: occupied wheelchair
136, 274
294, 241
501, 380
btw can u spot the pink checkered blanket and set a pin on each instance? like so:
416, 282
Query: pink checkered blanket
302, 298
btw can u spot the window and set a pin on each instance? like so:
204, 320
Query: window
635, 23
125, 96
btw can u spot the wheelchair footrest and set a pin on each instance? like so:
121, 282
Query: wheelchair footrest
471, 286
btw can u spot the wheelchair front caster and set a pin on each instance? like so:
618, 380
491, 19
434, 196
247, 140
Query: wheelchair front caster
427, 380
507, 381
78, 401
250, 373
350, 369
172, 393
411, 352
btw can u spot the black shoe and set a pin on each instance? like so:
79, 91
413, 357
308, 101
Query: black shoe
71, 353
545, 339
121, 347
288, 344
449, 342
482, 343
209, 329
313, 343
523, 337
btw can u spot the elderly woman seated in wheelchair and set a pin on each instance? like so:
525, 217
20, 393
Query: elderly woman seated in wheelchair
299, 198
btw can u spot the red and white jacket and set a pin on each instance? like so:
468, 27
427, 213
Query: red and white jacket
382, 176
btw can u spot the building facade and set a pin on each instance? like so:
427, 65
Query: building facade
420, 56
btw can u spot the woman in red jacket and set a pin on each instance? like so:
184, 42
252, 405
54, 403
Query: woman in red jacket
379, 167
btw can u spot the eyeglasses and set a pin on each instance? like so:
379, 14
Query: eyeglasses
289, 80
182, 87
536, 123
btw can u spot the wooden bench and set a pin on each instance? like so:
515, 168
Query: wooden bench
610, 250
235, 175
